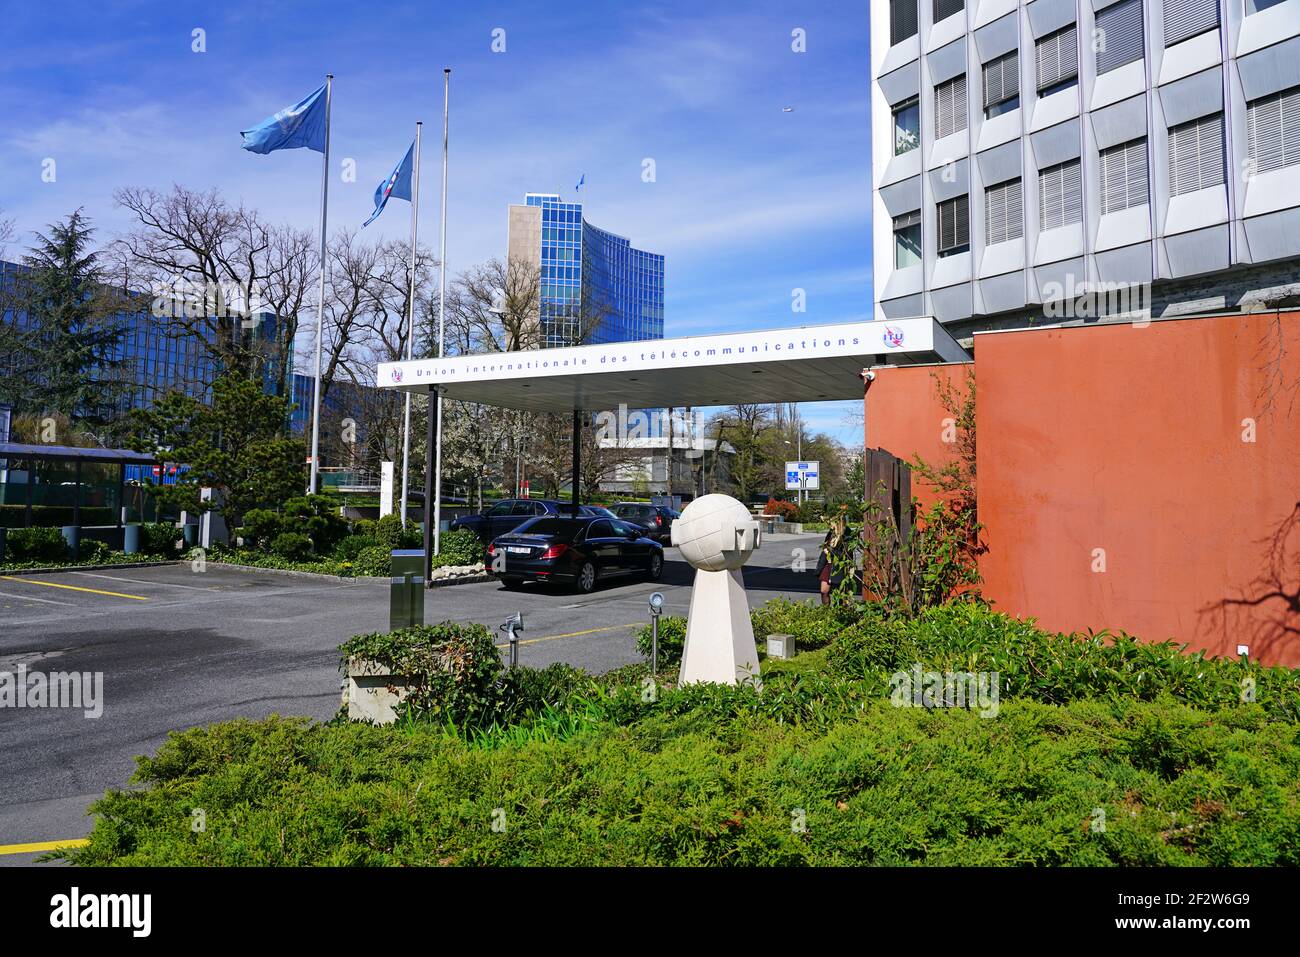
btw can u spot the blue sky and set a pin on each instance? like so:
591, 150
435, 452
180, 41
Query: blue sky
749, 203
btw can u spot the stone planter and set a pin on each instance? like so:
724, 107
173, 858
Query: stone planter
373, 692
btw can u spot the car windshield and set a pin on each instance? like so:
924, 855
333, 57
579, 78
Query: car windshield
560, 529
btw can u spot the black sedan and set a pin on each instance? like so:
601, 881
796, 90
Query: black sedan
657, 519
509, 514
575, 551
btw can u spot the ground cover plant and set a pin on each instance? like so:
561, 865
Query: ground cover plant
1103, 751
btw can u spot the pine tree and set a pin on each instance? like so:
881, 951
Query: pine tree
74, 322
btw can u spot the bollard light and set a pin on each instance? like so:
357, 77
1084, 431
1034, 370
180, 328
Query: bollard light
512, 626
656, 609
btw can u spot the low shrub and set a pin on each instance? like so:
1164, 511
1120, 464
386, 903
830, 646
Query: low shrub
531, 691
454, 670
292, 545
814, 625
786, 511
261, 526
91, 551
460, 547
36, 544
373, 561
314, 516
391, 533
1057, 668
351, 546
161, 538
672, 640
317, 517
702, 779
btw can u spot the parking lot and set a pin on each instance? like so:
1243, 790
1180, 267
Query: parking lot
179, 647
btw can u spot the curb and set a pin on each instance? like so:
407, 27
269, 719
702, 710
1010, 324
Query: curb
293, 573
464, 580
86, 568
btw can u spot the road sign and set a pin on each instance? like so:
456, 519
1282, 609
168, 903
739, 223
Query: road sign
805, 475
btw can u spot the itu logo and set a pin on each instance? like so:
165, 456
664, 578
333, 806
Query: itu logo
893, 338
397, 374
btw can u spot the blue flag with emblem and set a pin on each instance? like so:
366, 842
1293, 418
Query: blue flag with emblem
301, 126
581, 180
398, 184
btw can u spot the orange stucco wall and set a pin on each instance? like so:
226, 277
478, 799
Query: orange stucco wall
905, 415
1136, 478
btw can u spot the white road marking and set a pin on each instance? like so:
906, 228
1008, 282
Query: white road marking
144, 581
43, 601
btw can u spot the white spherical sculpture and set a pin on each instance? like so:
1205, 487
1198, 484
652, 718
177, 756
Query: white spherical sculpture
716, 534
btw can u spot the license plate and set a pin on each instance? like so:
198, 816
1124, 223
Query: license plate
518, 550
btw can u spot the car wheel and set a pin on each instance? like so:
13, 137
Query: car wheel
586, 578
656, 567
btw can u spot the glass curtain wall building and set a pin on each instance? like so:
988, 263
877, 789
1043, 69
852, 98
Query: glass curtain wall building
151, 359
596, 287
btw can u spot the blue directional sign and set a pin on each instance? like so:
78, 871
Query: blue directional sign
805, 475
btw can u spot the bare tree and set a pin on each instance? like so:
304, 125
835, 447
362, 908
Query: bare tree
744, 428
208, 264
291, 270
494, 307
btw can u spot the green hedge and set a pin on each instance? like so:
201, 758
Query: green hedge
35, 544
454, 669
55, 516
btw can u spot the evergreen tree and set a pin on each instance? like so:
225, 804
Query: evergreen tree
74, 325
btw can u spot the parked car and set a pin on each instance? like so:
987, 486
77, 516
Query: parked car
513, 512
657, 519
574, 551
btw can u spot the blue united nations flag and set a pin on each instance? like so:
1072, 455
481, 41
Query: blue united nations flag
295, 127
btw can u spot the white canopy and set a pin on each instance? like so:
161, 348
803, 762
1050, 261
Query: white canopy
804, 364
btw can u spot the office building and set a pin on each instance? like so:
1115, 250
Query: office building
596, 287
1030, 151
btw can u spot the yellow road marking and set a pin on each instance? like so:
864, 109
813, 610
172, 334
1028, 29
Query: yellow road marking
572, 634
93, 591
40, 846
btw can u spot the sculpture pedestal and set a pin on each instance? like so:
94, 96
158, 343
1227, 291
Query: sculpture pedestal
719, 635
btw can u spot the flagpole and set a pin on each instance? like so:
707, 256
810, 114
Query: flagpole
410, 315
320, 302
436, 491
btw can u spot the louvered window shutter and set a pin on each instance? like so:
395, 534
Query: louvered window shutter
1058, 57
1124, 176
943, 9
950, 107
1196, 155
907, 219
954, 224
902, 20
1187, 18
1120, 31
1003, 212
1060, 195
1273, 125
1001, 79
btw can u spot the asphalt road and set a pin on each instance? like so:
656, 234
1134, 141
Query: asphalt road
179, 648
